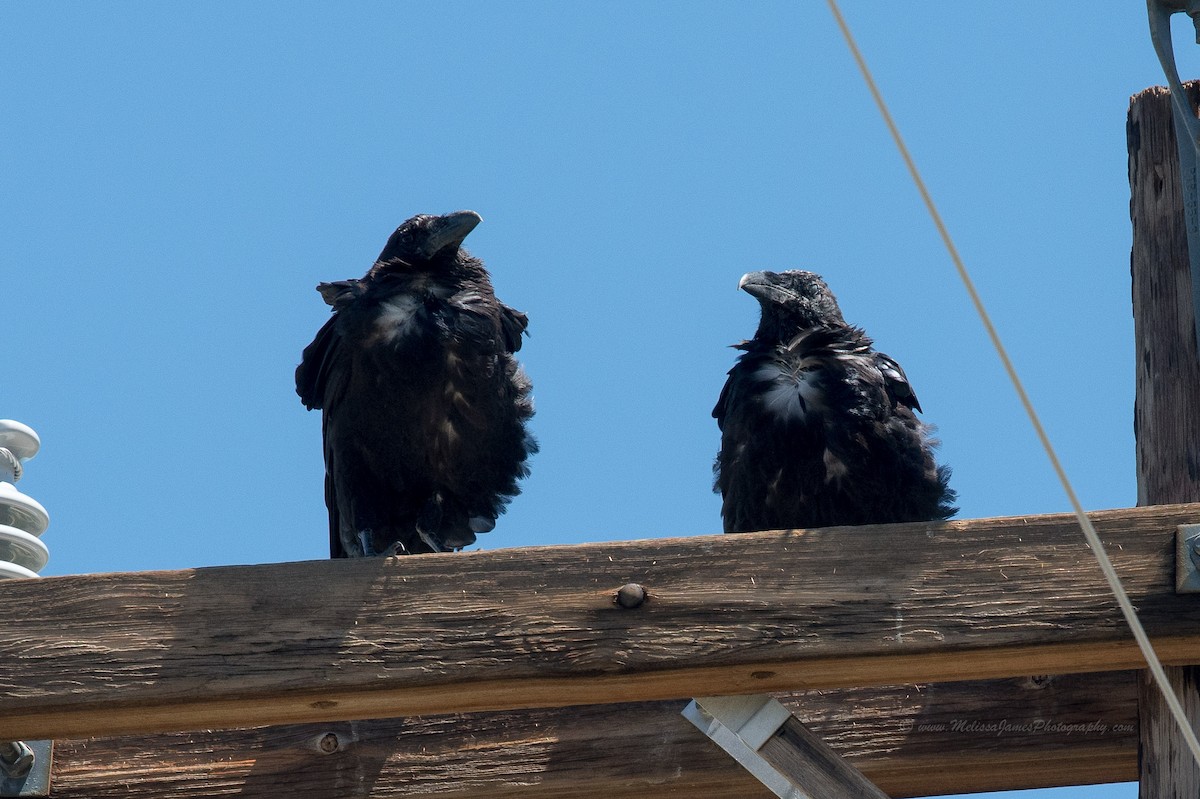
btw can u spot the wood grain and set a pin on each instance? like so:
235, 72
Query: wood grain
1166, 416
813, 766
374, 638
909, 740
1167, 407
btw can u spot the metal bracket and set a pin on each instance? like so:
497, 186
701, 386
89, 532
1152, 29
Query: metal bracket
25, 768
741, 725
1187, 559
1187, 128
769, 742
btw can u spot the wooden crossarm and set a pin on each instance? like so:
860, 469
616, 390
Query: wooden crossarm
841, 607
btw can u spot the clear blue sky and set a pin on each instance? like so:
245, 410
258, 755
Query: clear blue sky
178, 177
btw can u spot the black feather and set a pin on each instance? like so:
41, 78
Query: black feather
424, 406
817, 428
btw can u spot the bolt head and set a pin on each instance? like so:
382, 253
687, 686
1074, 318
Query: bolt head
16, 759
630, 595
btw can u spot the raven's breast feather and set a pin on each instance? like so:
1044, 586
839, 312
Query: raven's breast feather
398, 316
789, 393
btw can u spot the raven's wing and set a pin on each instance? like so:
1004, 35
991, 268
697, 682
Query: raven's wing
722, 407
896, 382
336, 550
312, 378
512, 324
313, 372
319, 367
479, 314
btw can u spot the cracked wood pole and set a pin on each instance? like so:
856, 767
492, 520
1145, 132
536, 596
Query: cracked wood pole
113, 654
1167, 408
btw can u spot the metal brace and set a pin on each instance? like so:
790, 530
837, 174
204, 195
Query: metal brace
1187, 128
740, 725
25, 768
804, 768
1187, 559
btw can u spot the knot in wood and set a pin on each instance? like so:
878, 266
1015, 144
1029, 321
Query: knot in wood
630, 595
328, 743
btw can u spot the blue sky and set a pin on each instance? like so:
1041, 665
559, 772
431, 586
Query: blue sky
178, 177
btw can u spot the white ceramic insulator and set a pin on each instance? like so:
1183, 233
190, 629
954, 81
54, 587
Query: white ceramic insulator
22, 518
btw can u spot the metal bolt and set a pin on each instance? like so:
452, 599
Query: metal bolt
328, 743
630, 595
16, 759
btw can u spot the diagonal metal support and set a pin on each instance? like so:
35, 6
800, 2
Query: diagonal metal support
773, 745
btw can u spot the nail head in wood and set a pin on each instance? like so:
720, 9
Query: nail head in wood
631, 595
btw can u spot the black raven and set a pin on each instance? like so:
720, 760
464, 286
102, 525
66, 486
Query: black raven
817, 428
424, 405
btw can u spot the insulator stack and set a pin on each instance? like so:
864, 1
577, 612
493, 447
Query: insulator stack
22, 518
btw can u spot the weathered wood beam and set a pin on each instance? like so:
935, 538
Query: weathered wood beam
909, 740
229, 647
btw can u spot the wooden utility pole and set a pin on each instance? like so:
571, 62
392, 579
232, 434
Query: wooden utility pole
1167, 409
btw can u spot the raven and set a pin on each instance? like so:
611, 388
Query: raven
424, 406
817, 428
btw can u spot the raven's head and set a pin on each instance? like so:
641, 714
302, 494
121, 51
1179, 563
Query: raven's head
426, 251
791, 301
427, 238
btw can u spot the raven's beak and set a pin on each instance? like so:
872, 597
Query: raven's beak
757, 284
449, 231
766, 287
